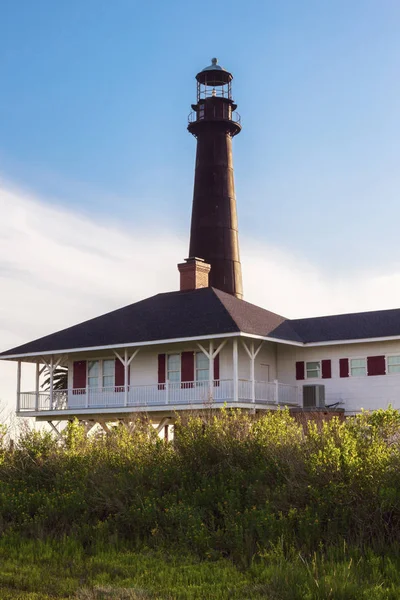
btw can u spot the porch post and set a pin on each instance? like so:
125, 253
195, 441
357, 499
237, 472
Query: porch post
235, 370
51, 380
19, 386
276, 391
126, 379
37, 386
126, 362
253, 383
211, 369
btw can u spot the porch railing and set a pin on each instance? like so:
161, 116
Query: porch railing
161, 394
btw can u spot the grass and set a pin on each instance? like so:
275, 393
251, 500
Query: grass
50, 570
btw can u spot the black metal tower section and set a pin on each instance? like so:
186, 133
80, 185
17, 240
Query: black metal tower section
214, 228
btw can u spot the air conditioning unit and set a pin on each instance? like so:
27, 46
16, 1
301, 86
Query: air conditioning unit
313, 396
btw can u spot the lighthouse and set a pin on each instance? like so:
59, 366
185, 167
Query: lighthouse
214, 226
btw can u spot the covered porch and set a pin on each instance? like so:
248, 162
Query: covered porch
136, 387
176, 395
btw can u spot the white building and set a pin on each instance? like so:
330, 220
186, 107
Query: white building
154, 356
200, 346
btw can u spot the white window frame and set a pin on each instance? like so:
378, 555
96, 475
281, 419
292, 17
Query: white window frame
319, 370
197, 369
364, 358
103, 375
387, 363
98, 373
167, 371
100, 378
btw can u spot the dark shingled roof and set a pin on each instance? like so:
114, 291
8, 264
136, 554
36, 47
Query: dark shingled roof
208, 311
352, 326
195, 313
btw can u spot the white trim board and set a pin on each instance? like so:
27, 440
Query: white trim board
203, 337
122, 345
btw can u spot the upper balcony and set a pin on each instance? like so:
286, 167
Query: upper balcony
200, 116
164, 397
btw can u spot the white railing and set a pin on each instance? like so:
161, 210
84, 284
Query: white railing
271, 392
42, 401
161, 394
266, 390
288, 394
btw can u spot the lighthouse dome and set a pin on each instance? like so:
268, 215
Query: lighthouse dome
214, 74
214, 66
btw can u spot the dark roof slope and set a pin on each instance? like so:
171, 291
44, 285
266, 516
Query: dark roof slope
352, 326
249, 318
208, 311
199, 312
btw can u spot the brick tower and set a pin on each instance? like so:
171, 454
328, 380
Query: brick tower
214, 228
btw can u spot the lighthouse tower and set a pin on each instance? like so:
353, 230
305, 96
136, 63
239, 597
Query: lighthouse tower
214, 228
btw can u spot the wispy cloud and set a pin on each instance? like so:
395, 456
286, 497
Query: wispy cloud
58, 267
290, 285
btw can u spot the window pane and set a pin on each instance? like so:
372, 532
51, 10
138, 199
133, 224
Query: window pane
394, 368
93, 382
108, 367
313, 369
393, 360
202, 375
174, 362
108, 381
357, 362
201, 360
311, 374
93, 368
356, 371
312, 365
174, 376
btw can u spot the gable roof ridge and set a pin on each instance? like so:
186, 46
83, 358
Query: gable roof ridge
350, 314
248, 303
215, 290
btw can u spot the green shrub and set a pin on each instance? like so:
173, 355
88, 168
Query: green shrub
230, 484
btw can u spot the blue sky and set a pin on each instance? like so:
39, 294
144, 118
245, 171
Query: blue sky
95, 95
96, 164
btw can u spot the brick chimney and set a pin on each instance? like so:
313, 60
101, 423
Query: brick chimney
194, 274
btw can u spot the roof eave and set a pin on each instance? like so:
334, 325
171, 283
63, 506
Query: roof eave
199, 338
386, 338
150, 343
121, 345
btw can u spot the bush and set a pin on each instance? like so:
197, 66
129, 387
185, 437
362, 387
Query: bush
230, 484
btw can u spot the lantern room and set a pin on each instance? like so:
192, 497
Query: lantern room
214, 98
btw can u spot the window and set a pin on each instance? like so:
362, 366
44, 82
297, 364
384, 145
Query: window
393, 364
200, 112
358, 367
174, 367
101, 371
313, 370
202, 367
108, 373
93, 373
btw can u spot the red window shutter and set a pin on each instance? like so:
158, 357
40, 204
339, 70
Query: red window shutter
344, 367
187, 366
79, 376
216, 370
120, 375
326, 369
161, 371
376, 365
300, 370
